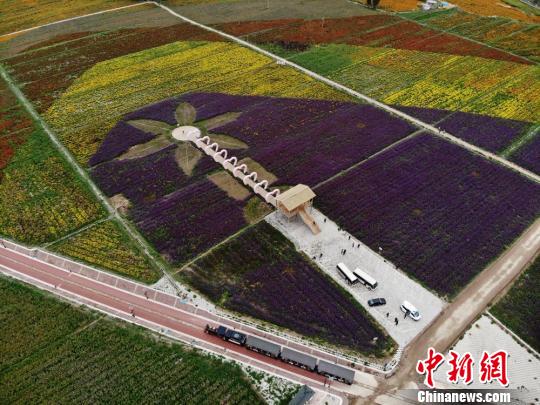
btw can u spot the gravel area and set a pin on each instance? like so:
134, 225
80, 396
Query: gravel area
325, 249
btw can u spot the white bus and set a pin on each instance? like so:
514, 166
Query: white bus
349, 276
365, 279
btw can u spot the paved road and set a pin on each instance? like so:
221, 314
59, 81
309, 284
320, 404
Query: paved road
467, 306
149, 312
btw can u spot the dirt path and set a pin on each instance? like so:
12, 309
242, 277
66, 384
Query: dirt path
467, 306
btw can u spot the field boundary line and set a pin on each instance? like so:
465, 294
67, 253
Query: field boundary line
85, 177
521, 141
442, 134
82, 229
70, 19
512, 333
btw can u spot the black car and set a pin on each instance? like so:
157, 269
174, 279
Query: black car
375, 302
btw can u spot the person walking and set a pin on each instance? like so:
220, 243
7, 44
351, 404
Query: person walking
396, 321
344, 251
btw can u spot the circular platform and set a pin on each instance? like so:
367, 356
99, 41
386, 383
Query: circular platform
186, 133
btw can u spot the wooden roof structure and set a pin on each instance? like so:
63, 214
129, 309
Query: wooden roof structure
295, 197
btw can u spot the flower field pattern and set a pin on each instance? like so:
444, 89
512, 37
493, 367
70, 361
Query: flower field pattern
260, 274
104, 245
163, 72
15, 15
438, 212
50, 347
430, 80
515, 36
381, 30
185, 215
40, 198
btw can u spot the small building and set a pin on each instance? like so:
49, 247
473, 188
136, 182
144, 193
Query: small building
296, 201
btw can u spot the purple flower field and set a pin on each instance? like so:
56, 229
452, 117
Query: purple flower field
299, 141
490, 133
260, 274
528, 155
119, 140
190, 220
142, 180
439, 213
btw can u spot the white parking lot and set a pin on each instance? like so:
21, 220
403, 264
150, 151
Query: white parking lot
393, 285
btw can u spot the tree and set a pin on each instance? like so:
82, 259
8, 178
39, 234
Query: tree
373, 3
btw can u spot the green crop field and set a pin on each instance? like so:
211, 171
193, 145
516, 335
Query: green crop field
519, 308
51, 352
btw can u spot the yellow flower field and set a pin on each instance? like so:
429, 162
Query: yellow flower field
95, 102
105, 246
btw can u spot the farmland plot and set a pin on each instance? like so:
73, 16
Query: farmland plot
438, 212
515, 36
106, 246
40, 198
519, 310
53, 352
16, 16
259, 273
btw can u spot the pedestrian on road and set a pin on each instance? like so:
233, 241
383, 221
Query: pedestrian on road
146, 294
325, 220
387, 314
344, 251
320, 255
349, 237
396, 321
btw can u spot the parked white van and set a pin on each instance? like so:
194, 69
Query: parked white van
411, 310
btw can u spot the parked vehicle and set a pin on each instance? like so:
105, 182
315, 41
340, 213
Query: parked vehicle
335, 372
348, 274
227, 334
285, 354
376, 302
410, 310
365, 279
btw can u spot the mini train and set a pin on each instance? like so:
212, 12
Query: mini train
284, 354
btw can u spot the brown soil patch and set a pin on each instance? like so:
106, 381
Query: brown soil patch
225, 181
262, 173
120, 203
